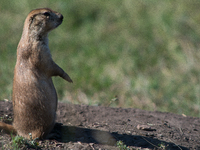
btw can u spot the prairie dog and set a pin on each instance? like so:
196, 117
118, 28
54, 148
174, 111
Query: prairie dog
34, 96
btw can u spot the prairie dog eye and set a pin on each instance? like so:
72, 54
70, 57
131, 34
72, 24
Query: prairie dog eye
47, 14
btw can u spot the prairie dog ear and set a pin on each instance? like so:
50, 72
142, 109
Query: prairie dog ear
31, 19
34, 19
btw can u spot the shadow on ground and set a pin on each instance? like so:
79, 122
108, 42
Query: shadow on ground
84, 135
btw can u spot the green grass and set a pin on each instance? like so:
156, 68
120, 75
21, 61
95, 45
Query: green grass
145, 53
122, 146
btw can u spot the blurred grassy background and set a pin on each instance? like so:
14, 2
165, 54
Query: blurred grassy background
142, 54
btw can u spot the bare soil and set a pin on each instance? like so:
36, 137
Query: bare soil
95, 127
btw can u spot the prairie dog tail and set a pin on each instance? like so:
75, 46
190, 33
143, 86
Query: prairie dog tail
9, 129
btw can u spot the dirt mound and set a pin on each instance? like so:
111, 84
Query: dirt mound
92, 127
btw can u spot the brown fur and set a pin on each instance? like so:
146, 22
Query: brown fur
34, 96
7, 128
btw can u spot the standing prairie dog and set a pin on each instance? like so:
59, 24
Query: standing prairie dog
34, 96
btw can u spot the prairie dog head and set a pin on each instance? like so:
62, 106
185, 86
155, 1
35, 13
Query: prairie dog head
40, 21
